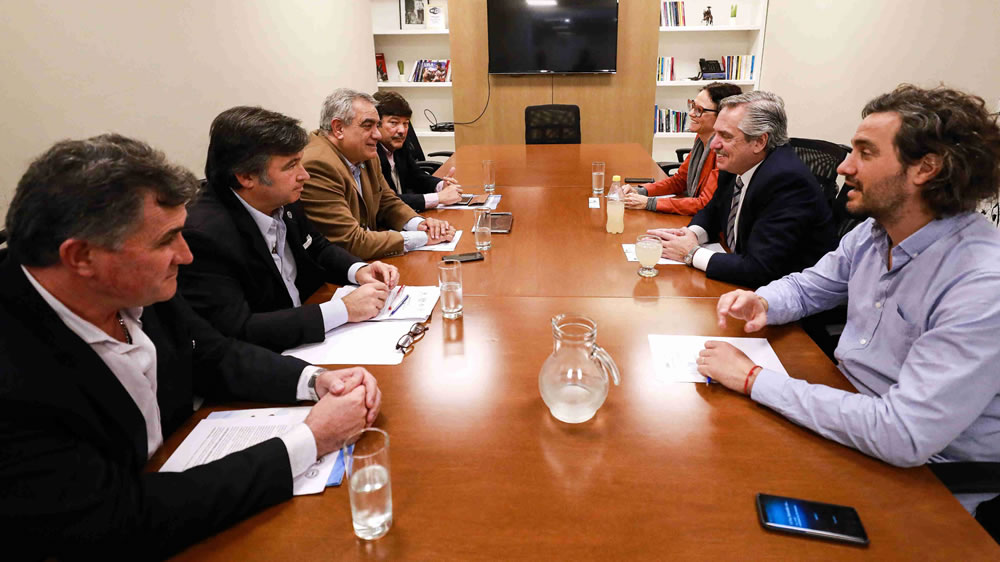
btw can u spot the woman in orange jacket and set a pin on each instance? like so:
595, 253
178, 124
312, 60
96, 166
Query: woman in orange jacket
695, 181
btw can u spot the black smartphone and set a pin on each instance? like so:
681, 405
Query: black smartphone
815, 519
471, 256
634, 181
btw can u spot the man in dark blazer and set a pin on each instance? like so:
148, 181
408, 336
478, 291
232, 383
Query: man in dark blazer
414, 186
257, 256
99, 361
768, 208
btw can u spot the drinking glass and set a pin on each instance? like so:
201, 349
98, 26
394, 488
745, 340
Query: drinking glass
482, 228
450, 281
597, 178
648, 250
489, 176
367, 468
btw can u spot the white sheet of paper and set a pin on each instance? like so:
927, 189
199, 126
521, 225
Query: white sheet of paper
492, 201
594, 202
629, 250
443, 246
674, 357
418, 306
362, 343
218, 436
630, 256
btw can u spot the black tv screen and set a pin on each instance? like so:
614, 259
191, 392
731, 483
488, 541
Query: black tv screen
553, 36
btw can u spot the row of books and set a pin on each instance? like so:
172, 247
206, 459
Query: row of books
672, 14
665, 69
739, 67
431, 70
669, 121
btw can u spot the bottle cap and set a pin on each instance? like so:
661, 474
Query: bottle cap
616, 178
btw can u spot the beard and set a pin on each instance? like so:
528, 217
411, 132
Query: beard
882, 200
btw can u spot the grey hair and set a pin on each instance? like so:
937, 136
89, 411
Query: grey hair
92, 190
765, 115
340, 105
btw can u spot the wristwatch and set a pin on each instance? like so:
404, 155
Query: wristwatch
311, 384
689, 257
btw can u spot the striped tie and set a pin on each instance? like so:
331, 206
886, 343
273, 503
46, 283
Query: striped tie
733, 211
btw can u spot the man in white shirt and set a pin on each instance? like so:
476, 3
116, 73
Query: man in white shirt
346, 196
257, 257
100, 359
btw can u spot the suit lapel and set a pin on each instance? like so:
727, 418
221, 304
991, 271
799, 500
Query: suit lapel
351, 194
250, 235
76, 364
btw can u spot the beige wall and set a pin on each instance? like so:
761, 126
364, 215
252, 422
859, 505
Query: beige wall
160, 70
826, 58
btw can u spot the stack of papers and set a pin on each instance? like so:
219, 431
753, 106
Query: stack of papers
372, 342
223, 433
443, 246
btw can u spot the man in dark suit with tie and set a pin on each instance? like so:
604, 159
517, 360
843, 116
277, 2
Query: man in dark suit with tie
99, 361
414, 186
256, 255
768, 208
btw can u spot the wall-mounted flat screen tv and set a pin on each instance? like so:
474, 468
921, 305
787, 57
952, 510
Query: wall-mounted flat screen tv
553, 36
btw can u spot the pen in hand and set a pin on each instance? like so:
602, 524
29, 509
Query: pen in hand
400, 305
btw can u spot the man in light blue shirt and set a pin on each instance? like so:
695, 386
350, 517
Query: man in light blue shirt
921, 278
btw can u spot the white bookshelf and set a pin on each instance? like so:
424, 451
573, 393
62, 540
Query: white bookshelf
693, 41
408, 45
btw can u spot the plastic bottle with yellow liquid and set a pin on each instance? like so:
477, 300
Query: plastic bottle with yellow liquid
616, 207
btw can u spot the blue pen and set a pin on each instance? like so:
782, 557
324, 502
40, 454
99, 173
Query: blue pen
400, 305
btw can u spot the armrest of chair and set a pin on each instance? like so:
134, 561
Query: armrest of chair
429, 166
444, 153
682, 153
669, 167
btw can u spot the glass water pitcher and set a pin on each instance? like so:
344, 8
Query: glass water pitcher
574, 379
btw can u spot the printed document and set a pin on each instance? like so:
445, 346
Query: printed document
214, 438
361, 343
443, 246
405, 302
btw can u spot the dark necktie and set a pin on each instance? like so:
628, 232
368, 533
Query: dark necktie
733, 211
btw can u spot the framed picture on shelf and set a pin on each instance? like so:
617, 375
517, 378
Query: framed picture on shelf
412, 14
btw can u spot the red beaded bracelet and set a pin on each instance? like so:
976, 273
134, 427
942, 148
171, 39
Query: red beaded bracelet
746, 381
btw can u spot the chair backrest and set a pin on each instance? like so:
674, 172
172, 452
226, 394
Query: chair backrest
822, 159
412, 143
552, 124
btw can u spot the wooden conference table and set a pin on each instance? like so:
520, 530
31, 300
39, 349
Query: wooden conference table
481, 471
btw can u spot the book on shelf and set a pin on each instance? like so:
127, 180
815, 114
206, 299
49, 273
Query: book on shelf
665, 69
667, 120
672, 14
740, 67
381, 70
431, 70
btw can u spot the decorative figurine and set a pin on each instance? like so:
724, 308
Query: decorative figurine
706, 16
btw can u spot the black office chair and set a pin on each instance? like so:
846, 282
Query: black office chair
822, 159
670, 168
412, 144
552, 124
3, 244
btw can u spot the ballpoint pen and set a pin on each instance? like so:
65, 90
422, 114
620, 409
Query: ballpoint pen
399, 292
400, 305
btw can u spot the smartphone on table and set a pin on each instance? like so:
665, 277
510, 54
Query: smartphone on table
471, 256
803, 517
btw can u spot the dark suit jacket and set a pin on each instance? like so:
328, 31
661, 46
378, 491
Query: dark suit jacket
785, 224
234, 283
73, 443
415, 182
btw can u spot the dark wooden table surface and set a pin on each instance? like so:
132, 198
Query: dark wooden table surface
481, 471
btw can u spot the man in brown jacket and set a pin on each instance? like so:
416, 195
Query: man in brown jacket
346, 196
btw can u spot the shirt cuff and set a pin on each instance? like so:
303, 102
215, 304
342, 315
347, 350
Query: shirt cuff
700, 233
767, 387
431, 200
439, 186
413, 240
413, 223
650, 203
352, 273
301, 446
641, 191
334, 314
302, 390
701, 258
